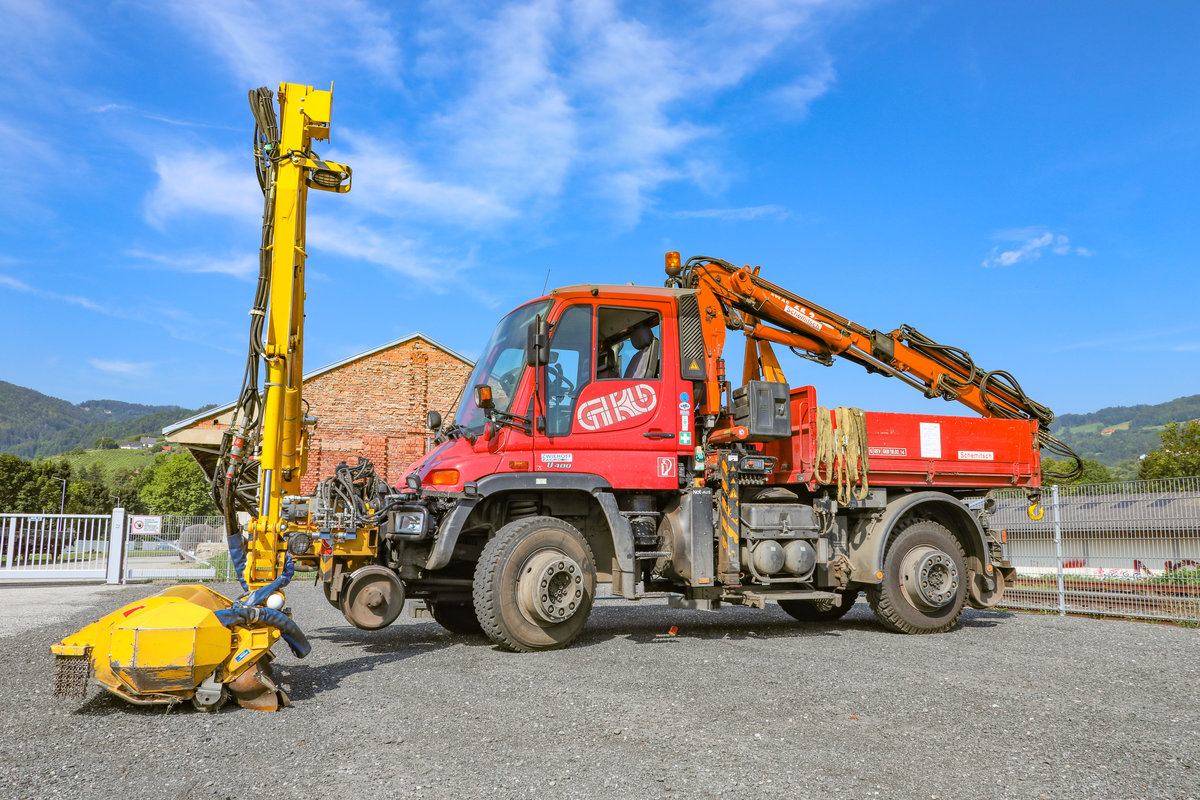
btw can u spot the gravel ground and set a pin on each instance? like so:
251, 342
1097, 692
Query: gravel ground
741, 703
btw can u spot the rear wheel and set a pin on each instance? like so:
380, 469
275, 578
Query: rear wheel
820, 610
924, 581
534, 585
456, 617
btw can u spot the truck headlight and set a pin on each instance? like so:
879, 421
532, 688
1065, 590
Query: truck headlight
409, 523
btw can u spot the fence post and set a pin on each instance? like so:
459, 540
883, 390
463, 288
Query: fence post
116, 547
12, 542
1058, 550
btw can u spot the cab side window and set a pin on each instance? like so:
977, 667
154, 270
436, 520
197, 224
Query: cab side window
570, 367
628, 344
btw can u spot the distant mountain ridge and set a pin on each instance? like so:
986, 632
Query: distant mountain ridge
35, 425
1119, 433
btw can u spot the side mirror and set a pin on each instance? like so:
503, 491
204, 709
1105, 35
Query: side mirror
537, 348
434, 420
483, 397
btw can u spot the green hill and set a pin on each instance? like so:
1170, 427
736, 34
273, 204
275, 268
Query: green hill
110, 460
35, 425
1119, 433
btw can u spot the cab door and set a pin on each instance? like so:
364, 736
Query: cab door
614, 408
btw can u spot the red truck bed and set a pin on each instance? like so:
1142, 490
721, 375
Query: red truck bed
919, 450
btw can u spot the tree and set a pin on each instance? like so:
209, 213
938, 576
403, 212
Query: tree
16, 474
1093, 472
88, 492
43, 492
126, 484
1178, 456
177, 486
105, 443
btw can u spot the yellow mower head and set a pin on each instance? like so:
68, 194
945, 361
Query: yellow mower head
169, 648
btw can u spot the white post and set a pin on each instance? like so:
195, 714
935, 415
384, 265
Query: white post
1058, 551
116, 547
12, 542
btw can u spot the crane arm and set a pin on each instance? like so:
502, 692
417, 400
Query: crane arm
768, 313
271, 423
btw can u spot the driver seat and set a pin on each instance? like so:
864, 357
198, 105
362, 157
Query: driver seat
644, 363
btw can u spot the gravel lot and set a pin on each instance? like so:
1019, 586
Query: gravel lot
741, 703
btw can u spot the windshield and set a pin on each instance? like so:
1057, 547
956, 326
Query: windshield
500, 366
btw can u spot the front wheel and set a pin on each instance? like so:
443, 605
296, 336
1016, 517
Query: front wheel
924, 581
820, 610
534, 585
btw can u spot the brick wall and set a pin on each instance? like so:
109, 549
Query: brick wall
375, 408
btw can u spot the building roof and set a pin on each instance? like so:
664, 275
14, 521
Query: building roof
218, 410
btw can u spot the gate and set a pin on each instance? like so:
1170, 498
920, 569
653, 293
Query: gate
182, 548
62, 547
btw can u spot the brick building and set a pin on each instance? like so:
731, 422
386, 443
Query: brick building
371, 405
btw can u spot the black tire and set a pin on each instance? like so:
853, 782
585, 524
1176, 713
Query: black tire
456, 617
894, 601
527, 548
820, 610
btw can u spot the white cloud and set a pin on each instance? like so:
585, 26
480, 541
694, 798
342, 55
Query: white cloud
243, 266
1028, 244
179, 324
264, 41
746, 213
108, 108
799, 96
391, 250
607, 94
83, 302
130, 368
515, 127
529, 102
387, 183
203, 181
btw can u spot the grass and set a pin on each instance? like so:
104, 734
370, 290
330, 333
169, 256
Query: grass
110, 459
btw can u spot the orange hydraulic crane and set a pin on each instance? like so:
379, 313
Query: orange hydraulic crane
737, 298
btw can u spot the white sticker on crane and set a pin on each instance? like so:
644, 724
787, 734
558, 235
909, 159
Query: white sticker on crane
931, 440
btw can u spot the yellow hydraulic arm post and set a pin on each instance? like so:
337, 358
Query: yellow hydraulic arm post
303, 116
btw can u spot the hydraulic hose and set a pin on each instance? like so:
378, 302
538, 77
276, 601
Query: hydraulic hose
242, 614
250, 609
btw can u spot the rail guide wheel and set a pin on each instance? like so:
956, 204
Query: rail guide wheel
372, 598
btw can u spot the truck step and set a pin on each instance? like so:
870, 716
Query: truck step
648, 554
758, 598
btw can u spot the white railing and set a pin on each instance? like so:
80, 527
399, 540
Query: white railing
61, 546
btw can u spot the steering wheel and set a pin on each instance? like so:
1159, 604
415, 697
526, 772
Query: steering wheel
503, 387
508, 381
559, 384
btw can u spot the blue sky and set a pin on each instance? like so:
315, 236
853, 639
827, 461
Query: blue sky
1017, 179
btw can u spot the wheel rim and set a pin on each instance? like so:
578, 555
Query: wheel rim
550, 588
929, 577
373, 598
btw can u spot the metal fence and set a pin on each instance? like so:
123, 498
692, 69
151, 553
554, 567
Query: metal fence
183, 548
60, 546
1128, 549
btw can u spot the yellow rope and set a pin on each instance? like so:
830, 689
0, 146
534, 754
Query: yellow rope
842, 453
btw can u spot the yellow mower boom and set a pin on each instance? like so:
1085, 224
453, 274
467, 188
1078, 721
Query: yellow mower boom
189, 642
